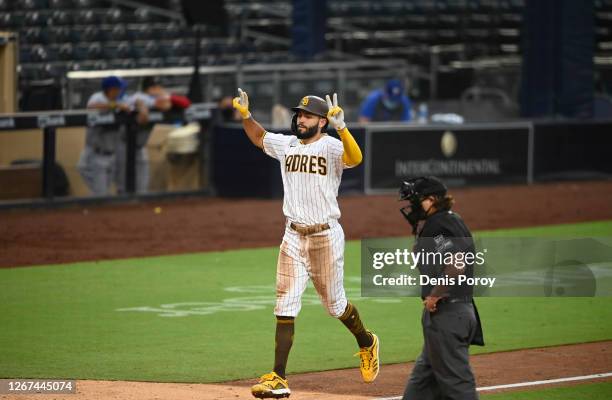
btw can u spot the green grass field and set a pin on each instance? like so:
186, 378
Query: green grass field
207, 317
593, 391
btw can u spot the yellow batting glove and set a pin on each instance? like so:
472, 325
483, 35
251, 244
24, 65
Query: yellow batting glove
335, 115
241, 103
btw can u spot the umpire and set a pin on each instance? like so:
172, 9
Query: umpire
450, 319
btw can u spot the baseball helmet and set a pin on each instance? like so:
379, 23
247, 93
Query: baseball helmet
420, 187
414, 190
312, 104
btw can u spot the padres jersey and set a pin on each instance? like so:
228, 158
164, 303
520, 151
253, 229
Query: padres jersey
311, 176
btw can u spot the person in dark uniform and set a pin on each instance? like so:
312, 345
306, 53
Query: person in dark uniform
450, 319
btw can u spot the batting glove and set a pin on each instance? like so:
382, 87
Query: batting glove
241, 103
335, 115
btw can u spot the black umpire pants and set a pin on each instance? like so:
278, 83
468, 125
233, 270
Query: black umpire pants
442, 371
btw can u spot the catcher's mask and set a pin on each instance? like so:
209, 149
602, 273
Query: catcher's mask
414, 191
313, 105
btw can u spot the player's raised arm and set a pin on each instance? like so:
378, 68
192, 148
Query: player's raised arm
254, 131
352, 153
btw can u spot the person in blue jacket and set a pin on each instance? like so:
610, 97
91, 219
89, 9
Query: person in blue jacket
386, 104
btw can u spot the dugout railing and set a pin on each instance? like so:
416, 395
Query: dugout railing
50, 121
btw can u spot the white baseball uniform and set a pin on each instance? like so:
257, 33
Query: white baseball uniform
311, 177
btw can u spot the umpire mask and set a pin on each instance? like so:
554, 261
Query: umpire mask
414, 191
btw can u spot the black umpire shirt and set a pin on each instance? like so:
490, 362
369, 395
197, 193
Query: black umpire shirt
444, 233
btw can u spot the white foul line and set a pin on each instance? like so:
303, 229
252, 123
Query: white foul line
532, 383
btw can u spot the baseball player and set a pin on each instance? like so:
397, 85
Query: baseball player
153, 96
311, 165
97, 163
450, 318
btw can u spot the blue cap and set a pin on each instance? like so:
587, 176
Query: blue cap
113, 82
394, 89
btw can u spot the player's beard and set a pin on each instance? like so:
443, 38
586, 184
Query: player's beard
308, 133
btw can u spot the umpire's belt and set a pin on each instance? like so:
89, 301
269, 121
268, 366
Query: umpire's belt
460, 299
309, 229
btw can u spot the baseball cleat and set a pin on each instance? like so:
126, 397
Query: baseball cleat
369, 365
271, 386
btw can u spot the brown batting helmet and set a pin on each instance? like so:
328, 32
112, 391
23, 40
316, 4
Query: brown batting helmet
314, 105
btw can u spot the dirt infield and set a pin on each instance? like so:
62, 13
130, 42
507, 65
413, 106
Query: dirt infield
490, 369
134, 230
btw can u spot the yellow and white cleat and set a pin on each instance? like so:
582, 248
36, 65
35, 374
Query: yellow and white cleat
271, 386
370, 364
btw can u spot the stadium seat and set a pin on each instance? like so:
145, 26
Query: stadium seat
138, 32
122, 64
145, 49
34, 18
61, 17
65, 52
150, 63
90, 33
25, 55
90, 3
144, 15
115, 33
119, 50
62, 34
35, 35
33, 4
38, 53
29, 72
61, 4
114, 16
480, 20
86, 17
100, 65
